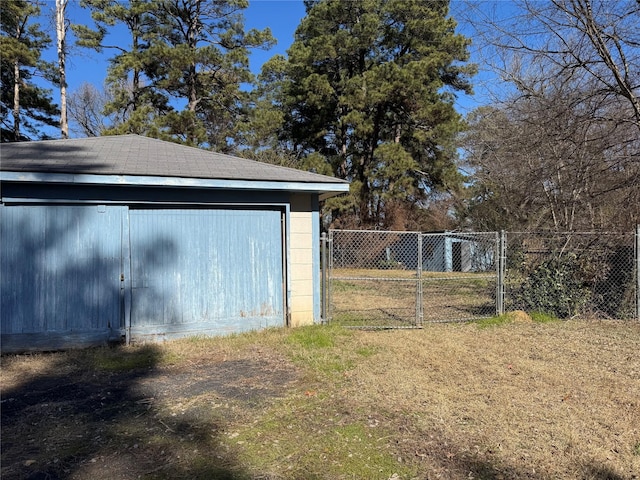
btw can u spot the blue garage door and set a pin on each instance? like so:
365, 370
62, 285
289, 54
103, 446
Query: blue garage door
60, 282
205, 271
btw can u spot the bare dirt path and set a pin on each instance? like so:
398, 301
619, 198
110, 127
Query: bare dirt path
57, 416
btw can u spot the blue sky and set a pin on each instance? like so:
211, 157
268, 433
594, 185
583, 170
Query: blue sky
85, 65
282, 16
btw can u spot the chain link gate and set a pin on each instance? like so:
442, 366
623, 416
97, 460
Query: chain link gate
382, 279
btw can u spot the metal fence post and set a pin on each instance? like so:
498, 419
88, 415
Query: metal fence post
329, 265
637, 272
419, 308
500, 290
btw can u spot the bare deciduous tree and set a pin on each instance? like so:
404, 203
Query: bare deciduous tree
593, 42
86, 107
546, 161
61, 31
560, 146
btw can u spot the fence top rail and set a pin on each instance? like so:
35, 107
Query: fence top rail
461, 233
564, 234
464, 235
372, 231
382, 279
451, 233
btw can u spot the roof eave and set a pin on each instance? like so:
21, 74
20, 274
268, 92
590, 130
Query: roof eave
326, 190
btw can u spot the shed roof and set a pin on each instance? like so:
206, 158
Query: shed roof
138, 155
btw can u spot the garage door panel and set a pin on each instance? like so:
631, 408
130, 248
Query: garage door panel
213, 271
60, 271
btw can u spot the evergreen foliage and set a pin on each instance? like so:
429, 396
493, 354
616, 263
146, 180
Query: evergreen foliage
369, 86
200, 57
133, 103
180, 79
24, 106
554, 287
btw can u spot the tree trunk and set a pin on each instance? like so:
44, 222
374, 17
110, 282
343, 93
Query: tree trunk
61, 30
135, 87
16, 101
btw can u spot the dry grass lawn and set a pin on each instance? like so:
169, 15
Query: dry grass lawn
453, 401
516, 401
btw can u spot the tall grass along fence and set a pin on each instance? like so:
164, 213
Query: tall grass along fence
379, 279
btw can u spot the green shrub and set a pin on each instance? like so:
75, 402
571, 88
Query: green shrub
554, 287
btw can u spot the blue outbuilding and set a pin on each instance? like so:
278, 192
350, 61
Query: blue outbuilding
127, 237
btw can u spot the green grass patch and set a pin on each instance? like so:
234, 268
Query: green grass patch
343, 286
542, 317
320, 348
313, 337
366, 351
493, 321
312, 439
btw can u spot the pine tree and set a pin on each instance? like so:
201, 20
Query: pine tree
180, 78
133, 102
25, 107
369, 85
200, 58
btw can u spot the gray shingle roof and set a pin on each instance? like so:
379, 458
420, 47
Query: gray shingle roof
137, 155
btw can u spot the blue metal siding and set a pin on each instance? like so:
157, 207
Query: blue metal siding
76, 275
205, 271
60, 270
434, 253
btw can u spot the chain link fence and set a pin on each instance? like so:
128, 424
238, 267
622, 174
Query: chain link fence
572, 274
377, 279
403, 279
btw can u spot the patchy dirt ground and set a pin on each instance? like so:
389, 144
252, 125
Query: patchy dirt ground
518, 400
66, 421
